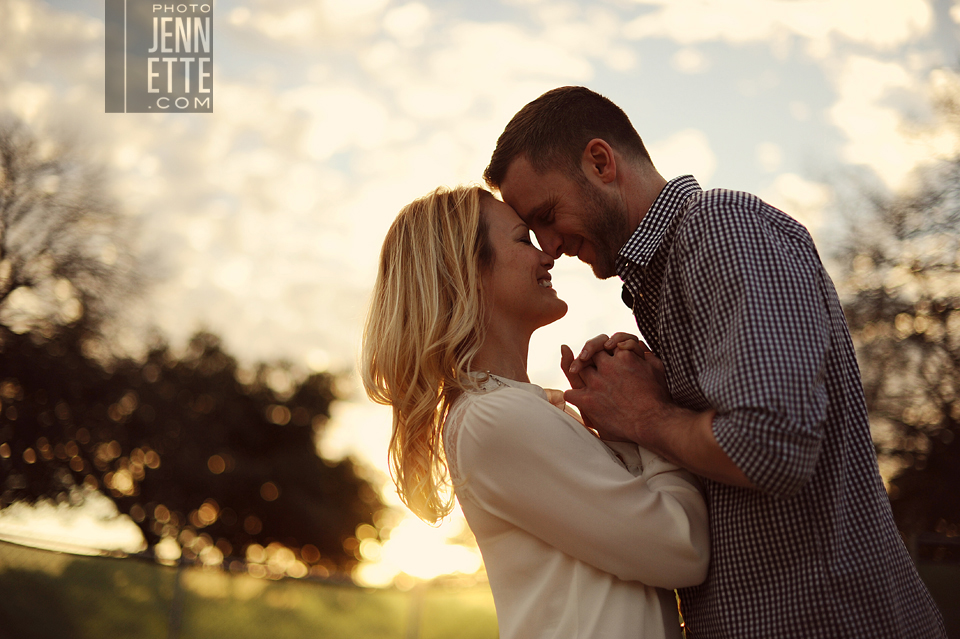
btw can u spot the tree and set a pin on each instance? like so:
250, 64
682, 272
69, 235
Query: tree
902, 266
64, 243
193, 449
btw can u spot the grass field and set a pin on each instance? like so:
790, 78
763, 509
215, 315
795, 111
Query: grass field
47, 595
50, 595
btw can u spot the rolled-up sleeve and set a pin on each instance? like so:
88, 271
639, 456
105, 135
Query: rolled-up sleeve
533, 466
759, 327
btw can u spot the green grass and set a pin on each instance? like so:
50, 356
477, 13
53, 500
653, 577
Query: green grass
45, 595
458, 612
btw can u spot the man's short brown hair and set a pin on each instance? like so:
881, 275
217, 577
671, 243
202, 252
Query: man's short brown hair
553, 130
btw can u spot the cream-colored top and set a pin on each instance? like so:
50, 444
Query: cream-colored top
580, 538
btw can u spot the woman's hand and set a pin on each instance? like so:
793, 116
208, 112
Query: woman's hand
618, 341
556, 398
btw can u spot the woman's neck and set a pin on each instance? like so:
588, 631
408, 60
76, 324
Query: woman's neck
504, 352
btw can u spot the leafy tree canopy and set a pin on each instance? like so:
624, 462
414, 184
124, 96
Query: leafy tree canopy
192, 447
901, 263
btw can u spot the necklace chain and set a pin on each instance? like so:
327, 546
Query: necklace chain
495, 378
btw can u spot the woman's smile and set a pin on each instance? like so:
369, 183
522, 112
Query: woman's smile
516, 259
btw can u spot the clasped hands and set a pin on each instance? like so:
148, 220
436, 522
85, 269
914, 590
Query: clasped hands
619, 386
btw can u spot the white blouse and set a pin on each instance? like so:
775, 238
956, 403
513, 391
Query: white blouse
580, 538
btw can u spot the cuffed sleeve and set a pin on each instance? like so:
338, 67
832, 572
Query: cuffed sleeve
754, 304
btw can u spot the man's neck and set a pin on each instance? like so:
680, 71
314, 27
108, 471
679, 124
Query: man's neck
642, 186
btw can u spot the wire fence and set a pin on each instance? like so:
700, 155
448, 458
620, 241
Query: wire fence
46, 594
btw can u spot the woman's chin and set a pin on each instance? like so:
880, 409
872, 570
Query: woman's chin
559, 312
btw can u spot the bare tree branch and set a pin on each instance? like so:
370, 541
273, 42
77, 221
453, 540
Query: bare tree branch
65, 245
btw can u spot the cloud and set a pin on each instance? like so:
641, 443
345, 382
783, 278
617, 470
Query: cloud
41, 51
408, 23
269, 212
802, 199
324, 23
340, 117
685, 152
497, 53
872, 89
880, 24
872, 97
799, 110
27, 100
689, 60
769, 156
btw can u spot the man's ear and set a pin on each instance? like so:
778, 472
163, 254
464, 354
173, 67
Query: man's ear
598, 161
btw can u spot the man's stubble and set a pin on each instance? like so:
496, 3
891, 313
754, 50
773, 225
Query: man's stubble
605, 227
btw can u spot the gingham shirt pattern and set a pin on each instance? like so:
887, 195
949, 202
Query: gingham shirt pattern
730, 293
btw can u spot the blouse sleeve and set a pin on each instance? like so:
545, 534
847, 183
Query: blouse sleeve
532, 465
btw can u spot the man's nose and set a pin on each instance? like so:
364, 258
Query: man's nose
550, 243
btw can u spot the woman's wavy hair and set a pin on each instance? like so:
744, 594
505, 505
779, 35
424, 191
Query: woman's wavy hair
424, 327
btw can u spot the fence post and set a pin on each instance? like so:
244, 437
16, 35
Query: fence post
416, 611
176, 605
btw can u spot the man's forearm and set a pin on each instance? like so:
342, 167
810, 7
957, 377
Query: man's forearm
685, 437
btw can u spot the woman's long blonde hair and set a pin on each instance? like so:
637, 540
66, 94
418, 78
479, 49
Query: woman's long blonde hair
424, 327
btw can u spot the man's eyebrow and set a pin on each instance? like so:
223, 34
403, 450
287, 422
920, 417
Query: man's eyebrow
541, 209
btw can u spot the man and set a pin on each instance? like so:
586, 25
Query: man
763, 395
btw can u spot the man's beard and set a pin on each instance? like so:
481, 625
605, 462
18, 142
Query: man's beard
605, 227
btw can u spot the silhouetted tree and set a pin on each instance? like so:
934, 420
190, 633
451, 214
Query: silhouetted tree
191, 448
902, 262
64, 243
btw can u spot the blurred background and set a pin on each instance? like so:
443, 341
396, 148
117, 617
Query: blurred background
181, 295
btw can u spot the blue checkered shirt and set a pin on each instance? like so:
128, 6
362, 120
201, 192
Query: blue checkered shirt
730, 293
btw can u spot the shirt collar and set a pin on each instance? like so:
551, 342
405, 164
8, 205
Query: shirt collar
645, 241
493, 382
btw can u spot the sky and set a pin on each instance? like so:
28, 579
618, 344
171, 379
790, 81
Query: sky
265, 217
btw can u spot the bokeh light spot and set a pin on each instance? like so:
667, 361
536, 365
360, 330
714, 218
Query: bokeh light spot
310, 554
252, 525
269, 491
216, 464
279, 415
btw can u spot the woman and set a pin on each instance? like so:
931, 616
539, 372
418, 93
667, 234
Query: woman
580, 538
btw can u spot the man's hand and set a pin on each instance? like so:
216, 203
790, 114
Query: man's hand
571, 366
622, 393
620, 387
